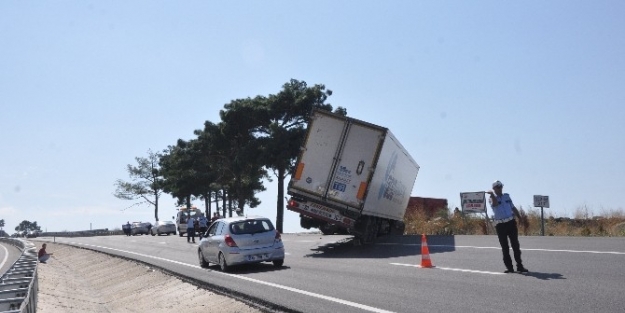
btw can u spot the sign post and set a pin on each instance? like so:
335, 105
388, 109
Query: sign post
541, 201
474, 202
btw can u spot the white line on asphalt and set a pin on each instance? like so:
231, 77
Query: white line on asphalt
6, 255
522, 249
451, 269
303, 292
547, 250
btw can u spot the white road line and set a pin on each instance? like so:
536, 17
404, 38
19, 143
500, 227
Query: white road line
451, 269
499, 248
547, 250
6, 255
303, 292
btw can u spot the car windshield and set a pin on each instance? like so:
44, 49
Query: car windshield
250, 227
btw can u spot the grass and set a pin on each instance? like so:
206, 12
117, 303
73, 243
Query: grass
445, 222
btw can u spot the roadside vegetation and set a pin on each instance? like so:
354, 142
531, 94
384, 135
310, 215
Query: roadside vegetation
609, 223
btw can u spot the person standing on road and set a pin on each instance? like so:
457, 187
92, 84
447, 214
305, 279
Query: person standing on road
43, 256
190, 229
506, 226
203, 222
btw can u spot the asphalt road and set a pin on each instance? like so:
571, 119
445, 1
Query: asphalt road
8, 255
331, 274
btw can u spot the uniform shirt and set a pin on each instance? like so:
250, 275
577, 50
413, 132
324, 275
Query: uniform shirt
504, 209
203, 221
190, 223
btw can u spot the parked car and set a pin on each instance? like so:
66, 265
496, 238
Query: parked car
138, 228
241, 240
163, 227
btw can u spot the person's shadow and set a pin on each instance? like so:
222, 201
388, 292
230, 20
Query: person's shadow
544, 276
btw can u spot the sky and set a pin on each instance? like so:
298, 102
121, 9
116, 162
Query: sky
530, 93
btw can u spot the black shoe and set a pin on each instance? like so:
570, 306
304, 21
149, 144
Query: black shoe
509, 271
521, 269
44, 262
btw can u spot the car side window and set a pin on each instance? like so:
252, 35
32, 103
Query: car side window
213, 229
220, 228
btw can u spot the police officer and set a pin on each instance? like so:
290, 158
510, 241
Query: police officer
504, 212
190, 229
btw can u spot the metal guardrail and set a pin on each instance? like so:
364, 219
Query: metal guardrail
19, 285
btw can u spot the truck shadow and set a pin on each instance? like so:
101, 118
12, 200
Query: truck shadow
384, 247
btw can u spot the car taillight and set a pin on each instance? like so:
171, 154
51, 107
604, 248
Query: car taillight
229, 241
278, 236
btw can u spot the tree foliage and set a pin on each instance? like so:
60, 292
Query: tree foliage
146, 182
229, 160
282, 132
27, 226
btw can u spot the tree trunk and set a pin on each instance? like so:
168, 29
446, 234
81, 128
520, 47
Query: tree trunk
207, 206
280, 208
223, 199
156, 205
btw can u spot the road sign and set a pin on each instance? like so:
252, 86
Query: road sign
541, 201
473, 202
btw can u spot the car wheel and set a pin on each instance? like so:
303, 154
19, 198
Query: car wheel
152, 232
278, 263
222, 263
200, 256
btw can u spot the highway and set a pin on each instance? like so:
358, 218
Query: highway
331, 274
8, 255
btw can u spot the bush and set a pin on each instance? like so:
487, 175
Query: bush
446, 223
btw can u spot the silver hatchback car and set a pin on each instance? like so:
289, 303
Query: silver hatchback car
163, 227
241, 240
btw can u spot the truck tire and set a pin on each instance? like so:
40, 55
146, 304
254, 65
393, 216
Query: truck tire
398, 228
328, 229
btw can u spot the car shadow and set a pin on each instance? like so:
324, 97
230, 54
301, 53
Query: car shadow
251, 268
384, 247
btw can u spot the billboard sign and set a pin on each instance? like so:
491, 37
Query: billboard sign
473, 202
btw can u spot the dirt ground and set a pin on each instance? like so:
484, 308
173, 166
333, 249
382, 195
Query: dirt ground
79, 280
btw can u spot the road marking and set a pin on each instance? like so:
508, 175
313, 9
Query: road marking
547, 250
303, 292
451, 269
499, 248
6, 255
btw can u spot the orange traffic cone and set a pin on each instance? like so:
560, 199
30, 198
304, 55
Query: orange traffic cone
425, 253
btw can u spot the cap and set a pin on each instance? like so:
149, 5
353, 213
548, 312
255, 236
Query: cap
497, 184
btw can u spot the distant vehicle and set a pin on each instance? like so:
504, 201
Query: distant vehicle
33, 234
181, 218
163, 227
138, 228
241, 240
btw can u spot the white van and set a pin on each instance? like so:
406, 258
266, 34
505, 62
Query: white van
182, 216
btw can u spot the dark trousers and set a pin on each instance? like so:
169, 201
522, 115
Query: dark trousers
509, 230
190, 234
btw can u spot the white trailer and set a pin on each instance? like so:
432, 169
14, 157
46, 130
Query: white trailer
351, 176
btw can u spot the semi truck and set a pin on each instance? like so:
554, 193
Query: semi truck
351, 176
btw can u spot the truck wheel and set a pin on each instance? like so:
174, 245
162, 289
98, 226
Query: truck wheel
398, 228
328, 229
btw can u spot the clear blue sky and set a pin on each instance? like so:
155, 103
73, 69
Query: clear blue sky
530, 93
